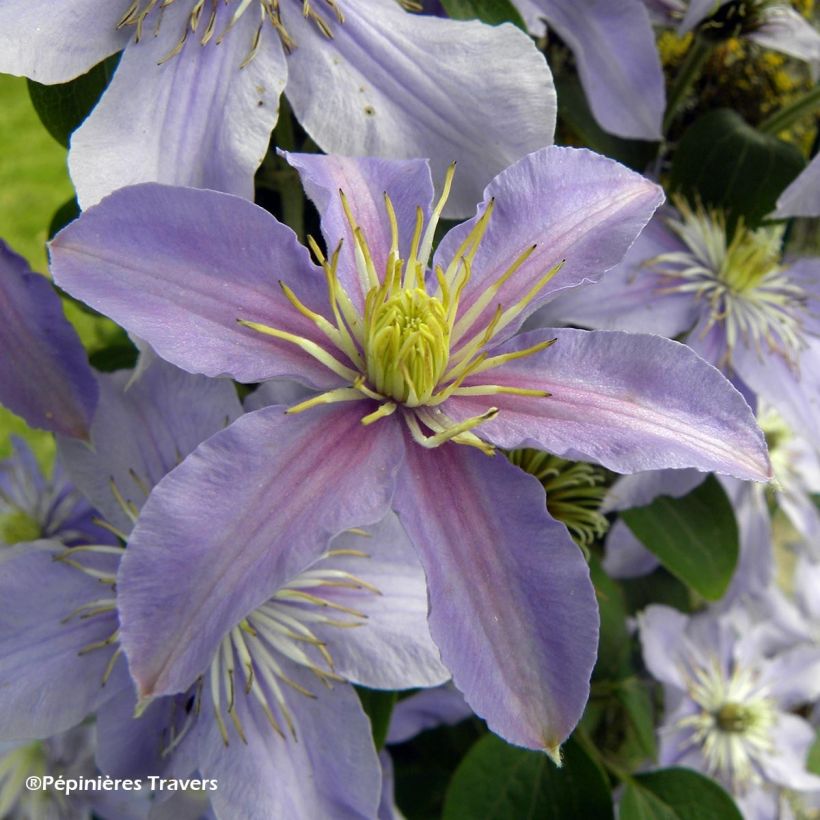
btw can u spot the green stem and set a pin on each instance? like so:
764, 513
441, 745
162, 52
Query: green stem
791, 113
693, 63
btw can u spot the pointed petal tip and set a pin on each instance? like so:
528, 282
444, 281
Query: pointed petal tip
553, 752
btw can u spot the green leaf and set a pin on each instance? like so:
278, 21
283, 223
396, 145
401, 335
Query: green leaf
726, 163
493, 12
67, 212
614, 642
574, 110
695, 537
659, 587
62, 107
676, 794
496, 781
379, 707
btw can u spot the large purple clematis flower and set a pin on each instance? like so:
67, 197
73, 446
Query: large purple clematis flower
740, 305
420, 376
44, 372
194, 100
729, 709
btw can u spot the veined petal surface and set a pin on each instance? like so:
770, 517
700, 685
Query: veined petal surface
512, 608
614, 46
167, 413
576, 207
197, 119
404, 85
631, 402
247, 511
55, 42
184, 267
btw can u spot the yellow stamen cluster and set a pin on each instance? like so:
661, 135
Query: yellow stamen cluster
202, 22
411, 347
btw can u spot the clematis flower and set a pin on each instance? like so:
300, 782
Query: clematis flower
773, 24
733, 298
34, 507
44, 372
196, 92
729, 710
420, 375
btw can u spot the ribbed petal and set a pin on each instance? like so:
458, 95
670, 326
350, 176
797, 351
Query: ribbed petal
178, 267
791, 738
575, 206
787, 31
664, 643
246, 512
614, 47
55, 42
512, 608
364, 182
330, 770
802, 197
404, 85
393, 650
197, 119
47, 685
631, 402
166, 413
44, 372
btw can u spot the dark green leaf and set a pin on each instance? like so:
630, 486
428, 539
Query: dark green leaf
574, 111
695, 537
659, 587
496, 781
67, 212
676, 794
378, 706
614, 641
114, 357
639, 734
62, 107
493, 12
726, 163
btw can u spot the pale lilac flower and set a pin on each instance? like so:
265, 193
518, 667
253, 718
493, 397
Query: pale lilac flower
728, 710
773, 24
34, 507
399, 347
44, 372
614, 48
194, 100
736, 302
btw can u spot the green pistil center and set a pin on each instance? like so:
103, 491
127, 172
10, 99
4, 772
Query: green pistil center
735, 717
19, 526
750, 258
407, 345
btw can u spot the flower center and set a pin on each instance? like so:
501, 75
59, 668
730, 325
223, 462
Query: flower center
212, 20
735, 18
258, 657
409, 347
18, 525
740, 282
734, 723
